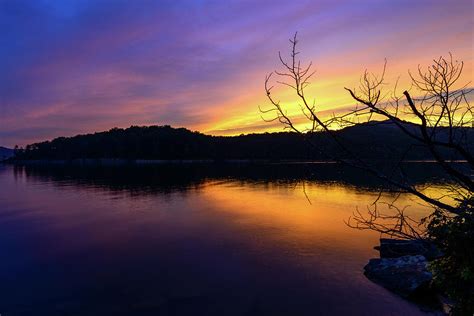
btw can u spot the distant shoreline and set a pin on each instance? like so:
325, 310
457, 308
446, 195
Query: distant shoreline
379, 142
120, 161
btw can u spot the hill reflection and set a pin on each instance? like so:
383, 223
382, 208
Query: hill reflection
181, 177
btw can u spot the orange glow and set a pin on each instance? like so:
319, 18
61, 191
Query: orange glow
327, 90
285, 208
185, 68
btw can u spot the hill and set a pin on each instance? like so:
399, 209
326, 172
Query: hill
379, 140
5, 153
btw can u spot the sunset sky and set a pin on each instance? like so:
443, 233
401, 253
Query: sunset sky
79, 66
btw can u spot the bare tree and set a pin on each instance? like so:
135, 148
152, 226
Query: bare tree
436, 119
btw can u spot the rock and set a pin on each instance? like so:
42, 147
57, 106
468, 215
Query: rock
447, 305
395, 248
404, 275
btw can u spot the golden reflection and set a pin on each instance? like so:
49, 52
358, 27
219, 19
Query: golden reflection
282, 213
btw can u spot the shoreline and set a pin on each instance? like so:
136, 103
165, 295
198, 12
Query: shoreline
122, 161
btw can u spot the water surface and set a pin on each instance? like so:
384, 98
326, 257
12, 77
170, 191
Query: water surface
188, 240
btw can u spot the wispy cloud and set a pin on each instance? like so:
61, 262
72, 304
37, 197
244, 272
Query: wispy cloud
78, 66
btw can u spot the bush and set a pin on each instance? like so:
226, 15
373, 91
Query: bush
454, 272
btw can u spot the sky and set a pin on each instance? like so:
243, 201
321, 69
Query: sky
80, 66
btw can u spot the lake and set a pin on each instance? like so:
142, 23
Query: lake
189, 239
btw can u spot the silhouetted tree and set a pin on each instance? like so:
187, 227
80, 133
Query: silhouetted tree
164, 142
439, 119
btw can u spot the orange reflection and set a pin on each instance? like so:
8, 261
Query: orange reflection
280, 213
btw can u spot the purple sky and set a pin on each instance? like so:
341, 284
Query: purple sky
69, 67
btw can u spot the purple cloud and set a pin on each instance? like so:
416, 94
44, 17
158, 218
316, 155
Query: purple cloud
79, 66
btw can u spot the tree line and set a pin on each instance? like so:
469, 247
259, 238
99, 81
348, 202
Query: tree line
375, 140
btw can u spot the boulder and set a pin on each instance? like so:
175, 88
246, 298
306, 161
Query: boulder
395, 248
404, 275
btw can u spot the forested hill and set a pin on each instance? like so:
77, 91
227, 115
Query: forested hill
376, 141
5, 153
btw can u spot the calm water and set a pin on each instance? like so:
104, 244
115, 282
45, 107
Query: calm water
187, 240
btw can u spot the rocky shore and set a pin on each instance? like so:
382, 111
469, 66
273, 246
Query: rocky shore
403, 269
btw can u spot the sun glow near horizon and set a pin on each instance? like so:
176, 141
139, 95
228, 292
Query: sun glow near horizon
203, 66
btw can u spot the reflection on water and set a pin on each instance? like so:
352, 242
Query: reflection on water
188, 240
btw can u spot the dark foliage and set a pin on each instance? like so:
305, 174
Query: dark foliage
454, 272
372, 140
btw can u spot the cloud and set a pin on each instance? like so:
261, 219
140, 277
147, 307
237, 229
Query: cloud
87, 65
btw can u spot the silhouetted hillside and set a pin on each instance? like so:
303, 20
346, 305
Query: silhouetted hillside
379, 140
5, 153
